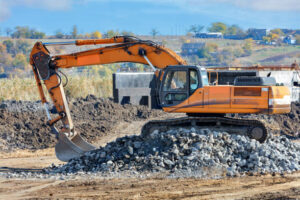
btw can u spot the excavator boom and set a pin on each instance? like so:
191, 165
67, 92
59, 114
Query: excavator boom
45, 67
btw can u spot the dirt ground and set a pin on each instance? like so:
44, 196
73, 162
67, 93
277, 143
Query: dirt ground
23, 124
117, 121
265, 187
249, 187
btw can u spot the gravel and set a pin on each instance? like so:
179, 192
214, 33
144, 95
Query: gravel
188, 153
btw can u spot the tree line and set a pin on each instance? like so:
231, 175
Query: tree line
225, 29
14, 55
31, 33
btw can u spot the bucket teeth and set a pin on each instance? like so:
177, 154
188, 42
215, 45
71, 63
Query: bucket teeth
67, 149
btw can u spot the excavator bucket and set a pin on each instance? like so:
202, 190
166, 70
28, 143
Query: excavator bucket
67, 149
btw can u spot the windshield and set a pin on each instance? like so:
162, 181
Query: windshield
175, 81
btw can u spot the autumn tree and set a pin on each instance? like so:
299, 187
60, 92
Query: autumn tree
26, 32
274, 36
111, 33
267, 39
277, 31
9, 46
203, 53
206, 51
74, 32
20, 61
154, 32
59, 34
127, 33
238, 52
2, 49
248, 46
23, 46
8, 31
235, 30
20, 32
217, 27
196, 28
96, 35
2, 53
297, 39
2, 70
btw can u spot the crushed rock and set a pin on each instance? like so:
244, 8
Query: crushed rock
189, 152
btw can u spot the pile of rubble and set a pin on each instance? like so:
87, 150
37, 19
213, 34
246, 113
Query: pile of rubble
189, 151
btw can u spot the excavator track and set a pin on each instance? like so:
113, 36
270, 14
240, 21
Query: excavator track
254, 129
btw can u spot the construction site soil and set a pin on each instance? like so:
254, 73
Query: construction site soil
100, 121
285, 124
23, 124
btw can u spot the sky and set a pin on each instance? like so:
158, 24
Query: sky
169, 17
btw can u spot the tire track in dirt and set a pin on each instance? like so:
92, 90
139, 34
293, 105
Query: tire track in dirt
255, 187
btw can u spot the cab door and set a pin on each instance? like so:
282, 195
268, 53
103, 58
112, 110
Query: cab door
175, 87
196, 90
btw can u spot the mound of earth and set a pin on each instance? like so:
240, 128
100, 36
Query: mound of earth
285, 124
189, 152
23, 123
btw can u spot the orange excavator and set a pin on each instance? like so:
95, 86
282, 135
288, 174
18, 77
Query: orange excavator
181, 88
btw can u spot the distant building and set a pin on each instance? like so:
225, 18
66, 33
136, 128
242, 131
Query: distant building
209, 35
3, 75
235, 37
289, 39
291, 31
257, 34
191, 48
287, 31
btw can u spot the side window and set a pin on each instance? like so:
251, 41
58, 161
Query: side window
194, 80
204, 77
175, 81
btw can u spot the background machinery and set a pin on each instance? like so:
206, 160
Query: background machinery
180, 88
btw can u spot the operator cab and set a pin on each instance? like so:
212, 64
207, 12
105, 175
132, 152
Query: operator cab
179, 82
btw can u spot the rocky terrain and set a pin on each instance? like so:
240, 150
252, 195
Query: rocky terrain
180, 163
190, 152
187, 152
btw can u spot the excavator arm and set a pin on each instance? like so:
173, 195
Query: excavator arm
46, 69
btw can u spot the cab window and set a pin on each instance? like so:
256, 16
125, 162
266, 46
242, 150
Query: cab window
204, 77
175, 81
194, 80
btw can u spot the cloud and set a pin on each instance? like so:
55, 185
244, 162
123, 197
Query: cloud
260, 5
4, 11
265, 5
199, 6
7, 5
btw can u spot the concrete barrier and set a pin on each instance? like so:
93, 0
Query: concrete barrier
136, 88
